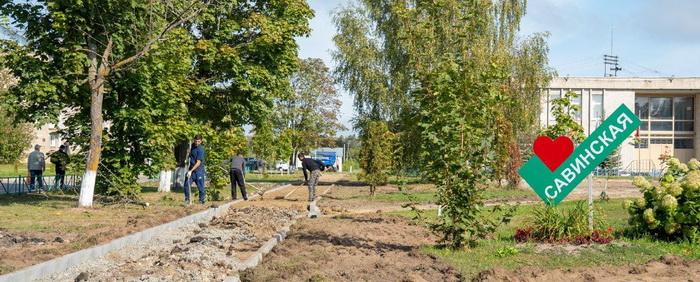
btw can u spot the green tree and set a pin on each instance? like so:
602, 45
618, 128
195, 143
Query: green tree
221, 70
376, 154
311, 112
441, 74
16, 136
219, 147
73, 51
518, 120
564, 112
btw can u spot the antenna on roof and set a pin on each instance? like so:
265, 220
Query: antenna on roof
611, 60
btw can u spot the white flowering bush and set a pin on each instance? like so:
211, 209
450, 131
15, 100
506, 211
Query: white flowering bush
671, 209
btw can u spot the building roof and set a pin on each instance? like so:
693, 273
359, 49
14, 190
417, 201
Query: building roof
628, 83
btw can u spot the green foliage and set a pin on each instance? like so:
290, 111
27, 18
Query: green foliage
310, 114
670, 210
16, 137
506, 251
554, 223
166, 70
449, 77
564, 112
613, 161
376, 154
220, 146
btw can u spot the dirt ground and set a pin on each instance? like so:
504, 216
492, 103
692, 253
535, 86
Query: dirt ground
35, 228
668, 268
208, 251
353, 248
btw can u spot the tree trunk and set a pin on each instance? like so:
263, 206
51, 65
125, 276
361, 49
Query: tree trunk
165, 180
87, 187
97, 73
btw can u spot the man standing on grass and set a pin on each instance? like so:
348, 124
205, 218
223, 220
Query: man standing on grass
197, 172
60, 159
36, 164
236, 174
314, 167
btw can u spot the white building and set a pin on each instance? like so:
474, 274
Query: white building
666, 106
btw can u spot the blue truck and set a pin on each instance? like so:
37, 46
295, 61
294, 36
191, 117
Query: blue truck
327, 158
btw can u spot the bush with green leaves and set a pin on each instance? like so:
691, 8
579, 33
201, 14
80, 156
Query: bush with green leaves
669, 210
556, 224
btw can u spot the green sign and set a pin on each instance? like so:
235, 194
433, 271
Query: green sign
553, 183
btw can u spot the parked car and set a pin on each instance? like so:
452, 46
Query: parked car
282, 166
251, 164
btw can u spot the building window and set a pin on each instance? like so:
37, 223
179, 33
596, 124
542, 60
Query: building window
665, 113
577, 101
55, 139
661, 126
683, 143
660, 108
641, 107
661, 141
643, 144
684, 126
683, 108
596, 110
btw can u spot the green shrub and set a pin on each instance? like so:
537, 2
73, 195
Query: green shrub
669, 210
554, 224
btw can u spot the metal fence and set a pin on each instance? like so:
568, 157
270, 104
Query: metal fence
19, 184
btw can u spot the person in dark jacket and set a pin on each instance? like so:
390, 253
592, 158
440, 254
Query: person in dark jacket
196, 172
314, 167
236, 174
60, 159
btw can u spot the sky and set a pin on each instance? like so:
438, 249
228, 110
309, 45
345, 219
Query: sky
651, 38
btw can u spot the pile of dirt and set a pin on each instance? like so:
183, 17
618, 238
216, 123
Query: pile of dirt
667, 268
204, 251
8, 239
372, 247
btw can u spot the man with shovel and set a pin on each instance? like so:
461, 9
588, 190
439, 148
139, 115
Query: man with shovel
236, 173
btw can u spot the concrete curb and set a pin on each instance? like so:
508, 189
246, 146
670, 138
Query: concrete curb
62, 263
257, 257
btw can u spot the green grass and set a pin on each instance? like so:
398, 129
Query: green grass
10, 170
623, 251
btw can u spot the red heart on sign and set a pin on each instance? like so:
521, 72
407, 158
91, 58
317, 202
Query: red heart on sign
553, 152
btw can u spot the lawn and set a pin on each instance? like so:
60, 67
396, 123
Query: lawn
504, 252
10, 170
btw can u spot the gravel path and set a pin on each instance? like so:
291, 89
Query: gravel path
203, 252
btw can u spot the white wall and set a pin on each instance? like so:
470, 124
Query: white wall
612, 99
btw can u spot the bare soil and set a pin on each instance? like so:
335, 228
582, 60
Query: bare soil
83, 228
668, 268
208, 251
37, 228
353, 248
353, 199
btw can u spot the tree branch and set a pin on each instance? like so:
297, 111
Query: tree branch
180, 20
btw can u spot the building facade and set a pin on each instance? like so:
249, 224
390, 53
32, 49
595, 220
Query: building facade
665, 105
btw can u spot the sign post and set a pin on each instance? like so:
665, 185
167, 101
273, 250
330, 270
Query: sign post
554, 172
